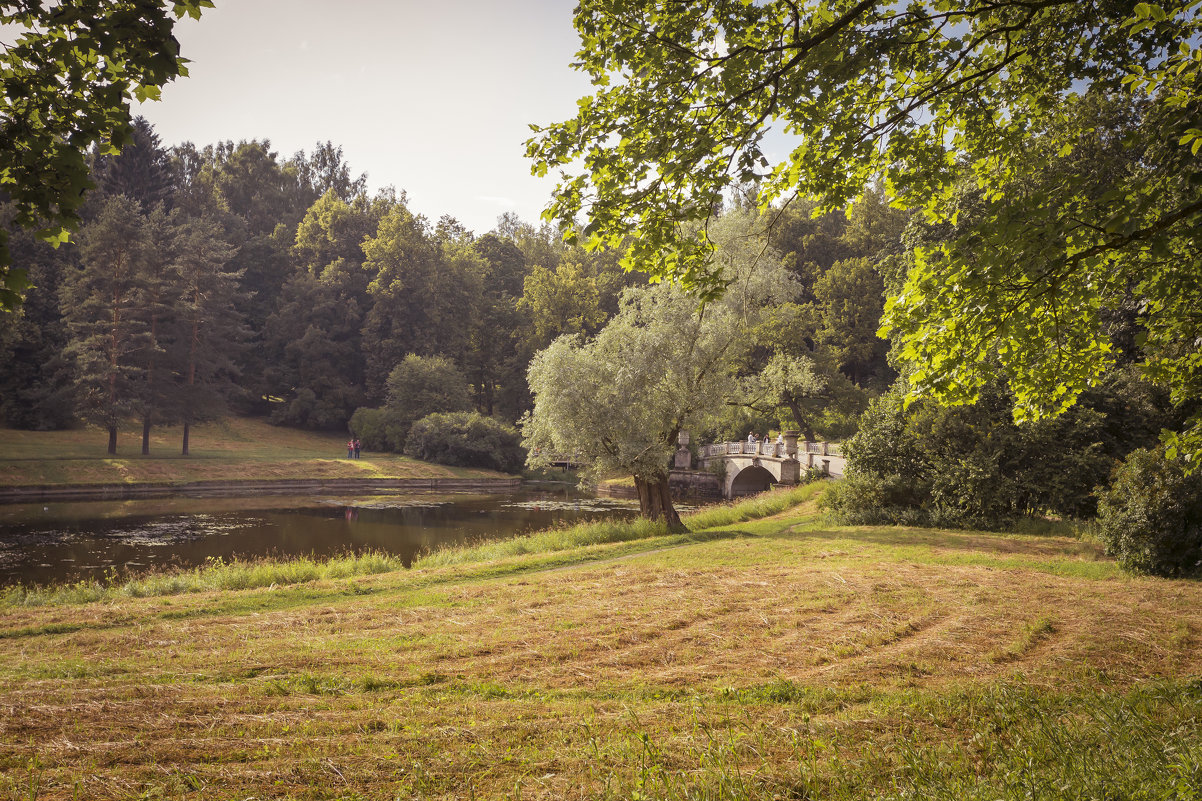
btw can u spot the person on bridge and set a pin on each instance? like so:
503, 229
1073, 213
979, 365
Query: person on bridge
751, 439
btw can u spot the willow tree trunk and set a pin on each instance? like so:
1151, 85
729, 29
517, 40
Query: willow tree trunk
655, 502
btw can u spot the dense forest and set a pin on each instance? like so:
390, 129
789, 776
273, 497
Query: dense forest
205, 281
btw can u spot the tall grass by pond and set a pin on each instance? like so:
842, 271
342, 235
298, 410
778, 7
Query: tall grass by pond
215, 574
238, 574
596, 533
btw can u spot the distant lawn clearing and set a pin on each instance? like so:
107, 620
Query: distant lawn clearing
770, 658
233, 449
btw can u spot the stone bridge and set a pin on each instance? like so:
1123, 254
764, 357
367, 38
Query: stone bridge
752, 467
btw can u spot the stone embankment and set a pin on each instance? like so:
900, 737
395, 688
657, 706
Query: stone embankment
85, 492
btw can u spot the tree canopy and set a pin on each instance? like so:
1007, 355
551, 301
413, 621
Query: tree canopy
952, 104
661, 365
68, 82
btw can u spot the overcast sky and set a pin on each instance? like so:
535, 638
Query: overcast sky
433, 97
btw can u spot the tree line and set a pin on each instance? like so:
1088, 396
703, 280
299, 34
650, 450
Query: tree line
228, 279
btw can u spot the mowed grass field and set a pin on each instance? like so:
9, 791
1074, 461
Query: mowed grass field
231, 449
779, 657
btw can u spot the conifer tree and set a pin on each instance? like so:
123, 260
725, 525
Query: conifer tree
208, 327
158, 395
142, 170
104, 309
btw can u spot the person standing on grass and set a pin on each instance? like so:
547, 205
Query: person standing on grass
356, 441
350, 449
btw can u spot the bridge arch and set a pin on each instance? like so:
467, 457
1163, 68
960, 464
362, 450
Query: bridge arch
750, 480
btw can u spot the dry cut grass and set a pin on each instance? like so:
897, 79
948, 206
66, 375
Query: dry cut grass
771, 658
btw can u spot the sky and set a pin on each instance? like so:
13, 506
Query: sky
433, 97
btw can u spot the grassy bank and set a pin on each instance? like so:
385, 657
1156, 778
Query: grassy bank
766, 655
233, 449
251, 574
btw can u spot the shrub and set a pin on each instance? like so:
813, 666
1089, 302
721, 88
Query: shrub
418, 386
380, 429
871, 499
1150, 518
466, 439
887, 478
969, 465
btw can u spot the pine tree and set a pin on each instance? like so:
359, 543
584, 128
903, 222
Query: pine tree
104, 308
208, 327
141, 171
158, 395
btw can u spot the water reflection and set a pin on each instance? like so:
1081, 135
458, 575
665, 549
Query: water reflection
43, 543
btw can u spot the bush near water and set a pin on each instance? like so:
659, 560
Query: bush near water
466, 439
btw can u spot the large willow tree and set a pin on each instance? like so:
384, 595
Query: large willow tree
936, 97
663, 364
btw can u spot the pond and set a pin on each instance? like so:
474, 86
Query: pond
47, 543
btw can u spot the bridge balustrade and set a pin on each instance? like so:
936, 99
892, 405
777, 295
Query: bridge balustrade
769, 448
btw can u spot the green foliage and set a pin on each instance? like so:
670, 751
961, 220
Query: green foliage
466, 439
661, 365
316, 369
935, 98
497, 352
791, 382
36, 386
419, 386
972, 465
684, 98
380, 429
69, 79
561, 301
104, 314
210, 327
1150, 518
851, 298
141, 170
421, 293
314, 337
